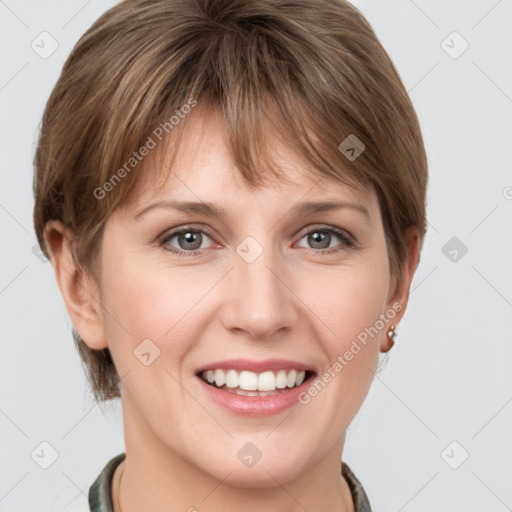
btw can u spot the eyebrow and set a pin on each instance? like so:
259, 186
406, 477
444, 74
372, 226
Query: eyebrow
214, 210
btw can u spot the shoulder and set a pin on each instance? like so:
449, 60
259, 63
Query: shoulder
99, 498
361, 501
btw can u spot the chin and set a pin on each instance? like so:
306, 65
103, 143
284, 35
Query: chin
276, 468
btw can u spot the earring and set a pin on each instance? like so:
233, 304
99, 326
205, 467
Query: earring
391, 335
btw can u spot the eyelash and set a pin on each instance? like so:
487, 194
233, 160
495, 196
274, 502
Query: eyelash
346, 240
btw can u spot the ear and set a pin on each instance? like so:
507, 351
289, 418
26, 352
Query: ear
78, 290
399, 291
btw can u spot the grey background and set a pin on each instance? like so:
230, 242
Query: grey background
448, 379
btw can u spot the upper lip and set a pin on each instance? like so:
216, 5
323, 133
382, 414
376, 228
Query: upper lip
256, 366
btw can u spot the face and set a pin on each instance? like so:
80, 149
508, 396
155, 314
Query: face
251, 296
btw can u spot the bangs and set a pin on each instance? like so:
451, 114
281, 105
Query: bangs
264, 100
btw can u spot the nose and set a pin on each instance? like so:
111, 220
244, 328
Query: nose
259, 298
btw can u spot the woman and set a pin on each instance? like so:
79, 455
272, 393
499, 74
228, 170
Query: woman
232, 196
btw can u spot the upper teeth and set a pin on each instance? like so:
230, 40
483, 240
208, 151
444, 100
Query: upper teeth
251, 381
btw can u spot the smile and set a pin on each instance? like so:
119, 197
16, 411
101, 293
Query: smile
255, 388
248, 383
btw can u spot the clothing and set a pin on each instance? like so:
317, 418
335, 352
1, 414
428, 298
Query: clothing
100, 499
359, 497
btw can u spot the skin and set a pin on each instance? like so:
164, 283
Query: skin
292, 302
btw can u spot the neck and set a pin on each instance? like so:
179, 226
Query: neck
156, 478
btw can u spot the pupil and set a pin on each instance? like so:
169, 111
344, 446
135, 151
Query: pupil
318, 237
189, 239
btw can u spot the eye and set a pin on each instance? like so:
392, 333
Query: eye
189, 241
320, 239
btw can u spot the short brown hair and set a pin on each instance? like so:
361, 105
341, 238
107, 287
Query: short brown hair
314, 71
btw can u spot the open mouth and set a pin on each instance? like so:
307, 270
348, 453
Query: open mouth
248, 383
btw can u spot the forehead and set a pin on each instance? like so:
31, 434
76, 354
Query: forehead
203, 170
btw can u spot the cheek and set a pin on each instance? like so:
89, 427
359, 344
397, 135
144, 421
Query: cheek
145, 303
148, 298
351, 304
352, 299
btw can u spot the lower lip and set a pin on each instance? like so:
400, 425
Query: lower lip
255, 405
